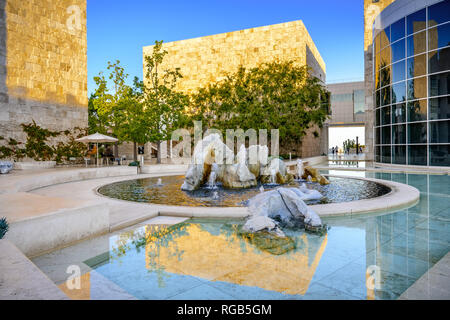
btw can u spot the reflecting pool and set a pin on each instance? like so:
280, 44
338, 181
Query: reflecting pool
361, 257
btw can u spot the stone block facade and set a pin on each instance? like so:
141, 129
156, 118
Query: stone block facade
43, 65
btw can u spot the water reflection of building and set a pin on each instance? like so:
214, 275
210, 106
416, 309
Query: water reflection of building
218, 255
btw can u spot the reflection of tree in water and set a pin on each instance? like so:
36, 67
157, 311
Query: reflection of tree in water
151, 238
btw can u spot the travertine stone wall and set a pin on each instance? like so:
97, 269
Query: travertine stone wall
209, 59
372, 9
43, 64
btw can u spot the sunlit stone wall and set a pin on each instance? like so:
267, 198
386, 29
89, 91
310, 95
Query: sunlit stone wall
209, 59
43, 64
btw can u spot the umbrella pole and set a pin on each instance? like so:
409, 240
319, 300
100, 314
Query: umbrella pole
97, 154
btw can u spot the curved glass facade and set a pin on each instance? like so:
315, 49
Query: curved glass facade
412, 89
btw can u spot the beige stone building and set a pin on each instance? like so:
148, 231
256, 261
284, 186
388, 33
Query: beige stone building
209, 59
43, 65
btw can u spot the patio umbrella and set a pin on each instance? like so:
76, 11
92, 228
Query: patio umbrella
96, 138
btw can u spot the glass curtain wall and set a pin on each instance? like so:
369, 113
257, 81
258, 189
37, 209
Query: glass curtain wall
412, 89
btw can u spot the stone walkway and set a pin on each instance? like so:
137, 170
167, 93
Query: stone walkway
433, 285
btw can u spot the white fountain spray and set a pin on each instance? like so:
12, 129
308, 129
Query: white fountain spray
212, 180
159, 182
273, 176
261, 189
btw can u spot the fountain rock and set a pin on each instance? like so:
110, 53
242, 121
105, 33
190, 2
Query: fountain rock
260, 223
5, 167
284, 205
307, 194
275, 172
211, 150
257, 158
315, 175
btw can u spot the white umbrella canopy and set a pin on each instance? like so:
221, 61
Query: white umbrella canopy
97, 137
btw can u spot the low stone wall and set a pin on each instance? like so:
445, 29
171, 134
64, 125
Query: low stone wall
37, 234
20, 279
33, 165
23, 183
166, 168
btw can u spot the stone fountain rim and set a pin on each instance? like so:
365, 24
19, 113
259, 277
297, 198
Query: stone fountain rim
401, 196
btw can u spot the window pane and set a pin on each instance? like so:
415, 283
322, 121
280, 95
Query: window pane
359, 98
439, 84
386, 135
417, 132
398, 50
377, 154
377, 117
399, 113
385, 37
416, 44
386, 95
440, 155
417, 88
439, 132
417, 110
386, 154
377, 135
399, 92
439, 13
385, 57
440, 108
439, 36
416, 21
439, 60
377, 62
385, 115
398, 30
399, 155
417, 66
385, 75
398, 71
377, 98
377, 43
417, 155
399, 134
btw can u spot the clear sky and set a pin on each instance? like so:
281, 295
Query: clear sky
118, 29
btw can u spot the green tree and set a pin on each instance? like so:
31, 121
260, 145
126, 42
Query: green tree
164, 106
119, 108
273, 95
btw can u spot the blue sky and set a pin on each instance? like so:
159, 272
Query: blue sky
118, 29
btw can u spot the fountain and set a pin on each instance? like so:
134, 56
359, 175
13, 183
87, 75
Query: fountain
242, 171
212, 180
159, 182
269, 211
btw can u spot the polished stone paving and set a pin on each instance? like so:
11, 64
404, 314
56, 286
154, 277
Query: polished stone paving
376, 256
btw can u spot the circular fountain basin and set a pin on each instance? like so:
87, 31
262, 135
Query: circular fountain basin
148, 190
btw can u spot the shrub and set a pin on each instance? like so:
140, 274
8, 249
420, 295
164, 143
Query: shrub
3, 227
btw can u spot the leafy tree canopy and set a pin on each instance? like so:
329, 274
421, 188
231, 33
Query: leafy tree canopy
277, 95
